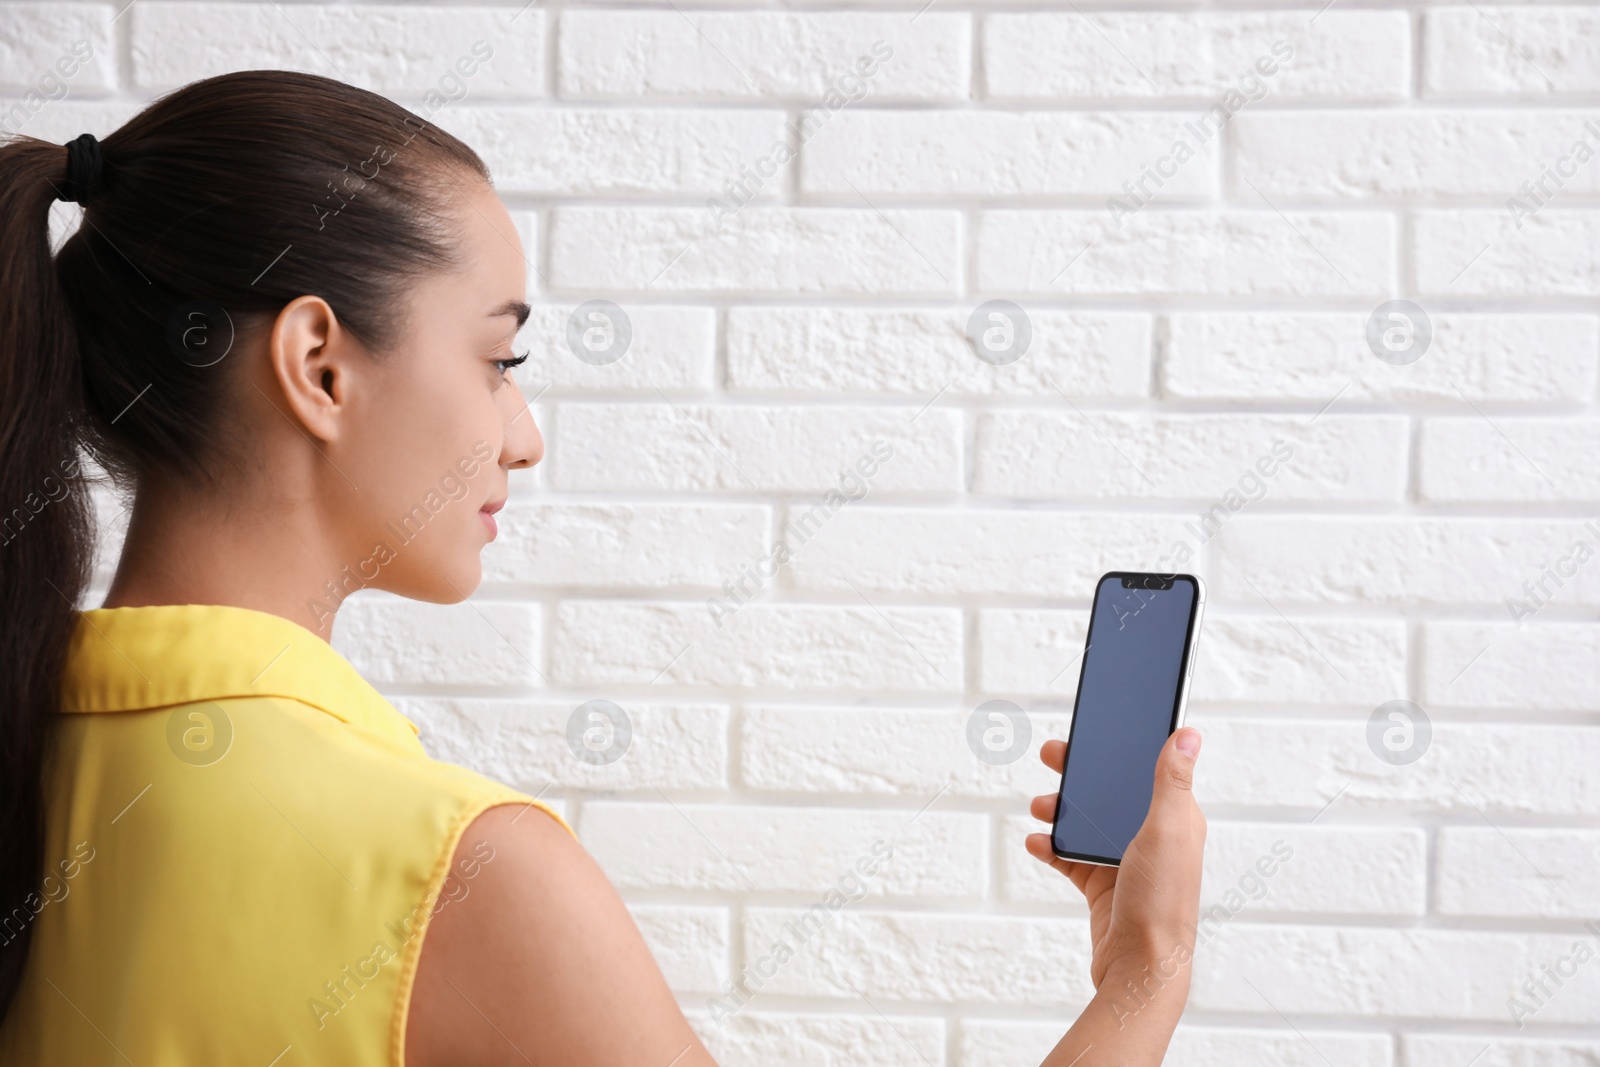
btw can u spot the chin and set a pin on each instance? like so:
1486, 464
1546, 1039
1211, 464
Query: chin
447, 580
464, 577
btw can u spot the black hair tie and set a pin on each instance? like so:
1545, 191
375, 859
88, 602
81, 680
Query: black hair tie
85, 169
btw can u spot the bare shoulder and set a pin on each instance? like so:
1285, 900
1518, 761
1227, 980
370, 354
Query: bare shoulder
533, 958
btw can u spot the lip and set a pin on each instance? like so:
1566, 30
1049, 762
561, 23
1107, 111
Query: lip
487, 514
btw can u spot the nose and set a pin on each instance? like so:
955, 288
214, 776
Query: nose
524, 444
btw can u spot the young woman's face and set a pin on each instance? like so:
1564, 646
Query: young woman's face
436, 423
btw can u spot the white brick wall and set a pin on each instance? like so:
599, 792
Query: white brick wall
1172, 345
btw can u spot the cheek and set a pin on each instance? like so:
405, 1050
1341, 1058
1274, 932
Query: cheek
410, 445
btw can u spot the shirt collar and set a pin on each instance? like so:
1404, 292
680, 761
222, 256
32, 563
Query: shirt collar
137, 658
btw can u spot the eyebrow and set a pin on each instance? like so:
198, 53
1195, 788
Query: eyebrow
513, 307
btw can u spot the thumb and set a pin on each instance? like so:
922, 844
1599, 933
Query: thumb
1175, 765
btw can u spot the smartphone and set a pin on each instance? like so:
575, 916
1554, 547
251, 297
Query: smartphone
1133, 686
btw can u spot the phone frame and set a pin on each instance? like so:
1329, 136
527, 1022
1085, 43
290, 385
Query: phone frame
1191, 640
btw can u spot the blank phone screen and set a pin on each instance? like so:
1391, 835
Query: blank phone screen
1127, 699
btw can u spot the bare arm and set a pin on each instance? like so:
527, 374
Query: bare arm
539, 962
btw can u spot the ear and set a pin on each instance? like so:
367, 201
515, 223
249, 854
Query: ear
310, 356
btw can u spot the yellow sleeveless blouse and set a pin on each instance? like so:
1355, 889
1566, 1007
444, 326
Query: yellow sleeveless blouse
245, 843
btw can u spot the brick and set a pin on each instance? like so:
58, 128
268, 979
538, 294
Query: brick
776, 251
1501, 458
1031, 650
686, 447
764, 645
1033, 454
1460, 975
995, 154
1543, 665
1556, 252
792, 55
404, 642
1472, 769
1268, 660
1355, 156
1329, 870
524, 744
1442, 1050
579, 151
1243, 659
840, 751
1380, 560
407, 51
1515, 872
690, 943
1003, 1043
912, 550
668, 348
56, 50
1205, 253
1289, 869
1323, 357
1198, 56
925, 351
1506, 52
624, 546
731, 849
751, 1038
937, 958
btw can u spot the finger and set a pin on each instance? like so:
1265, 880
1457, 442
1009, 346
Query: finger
1173, 795
1044, 807
1038, 846
1053, 754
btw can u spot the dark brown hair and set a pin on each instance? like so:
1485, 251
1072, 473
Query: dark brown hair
217, 205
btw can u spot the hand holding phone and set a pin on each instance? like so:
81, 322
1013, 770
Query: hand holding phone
1142, 914
1129, 762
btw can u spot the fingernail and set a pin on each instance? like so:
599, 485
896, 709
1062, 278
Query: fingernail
1189, 742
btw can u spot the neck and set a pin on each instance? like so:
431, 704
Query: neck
180, 550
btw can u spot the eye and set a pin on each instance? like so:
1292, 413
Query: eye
503, 365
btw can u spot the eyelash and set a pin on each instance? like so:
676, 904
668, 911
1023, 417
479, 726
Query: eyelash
506, 364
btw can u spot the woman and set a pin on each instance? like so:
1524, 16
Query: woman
285, 324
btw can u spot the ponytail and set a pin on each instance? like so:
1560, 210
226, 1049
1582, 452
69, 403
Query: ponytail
227, 199
46, 525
